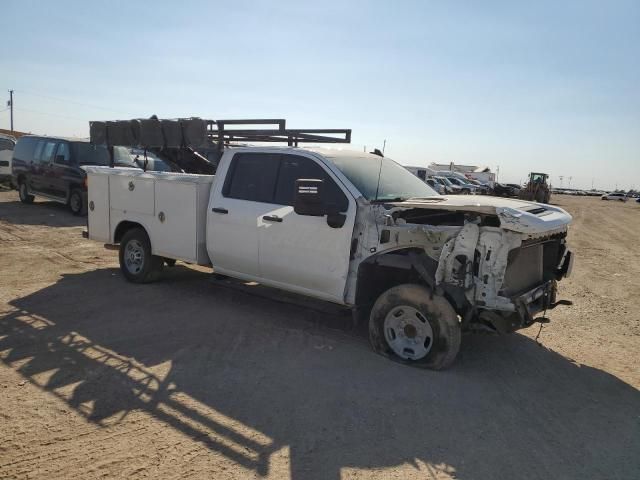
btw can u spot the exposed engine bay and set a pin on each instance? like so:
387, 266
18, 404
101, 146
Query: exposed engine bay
498, 265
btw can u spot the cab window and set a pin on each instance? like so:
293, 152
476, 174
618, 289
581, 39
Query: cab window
271, 178
252, 176
294, 167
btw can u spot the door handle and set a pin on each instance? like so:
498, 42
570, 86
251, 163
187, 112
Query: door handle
272, 218
223, 211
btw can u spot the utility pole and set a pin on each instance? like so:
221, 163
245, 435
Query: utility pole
384, 145
10, 104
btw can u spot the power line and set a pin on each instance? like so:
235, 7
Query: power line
50, 114
68, 101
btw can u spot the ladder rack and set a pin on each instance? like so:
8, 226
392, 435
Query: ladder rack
197, 132
219, 132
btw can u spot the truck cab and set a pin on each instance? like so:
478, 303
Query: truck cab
348, 227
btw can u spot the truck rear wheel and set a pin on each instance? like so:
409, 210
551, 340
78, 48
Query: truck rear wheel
411, 325
137, 263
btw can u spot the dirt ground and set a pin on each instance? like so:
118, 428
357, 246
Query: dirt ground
194, 377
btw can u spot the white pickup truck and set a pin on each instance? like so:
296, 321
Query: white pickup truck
347, 227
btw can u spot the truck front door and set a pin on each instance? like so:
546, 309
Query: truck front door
303, 253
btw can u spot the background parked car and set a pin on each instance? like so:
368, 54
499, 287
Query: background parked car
506, 190
7, 144
50, 167
481, 188
615, 196
465, 188
437, 186
449, 187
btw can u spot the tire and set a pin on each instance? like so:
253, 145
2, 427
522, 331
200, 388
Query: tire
410, 325
137, 263
77, 203
24, 193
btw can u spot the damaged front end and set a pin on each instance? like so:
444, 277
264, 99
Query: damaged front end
497, 261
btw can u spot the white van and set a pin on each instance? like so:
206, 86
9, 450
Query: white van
7, 144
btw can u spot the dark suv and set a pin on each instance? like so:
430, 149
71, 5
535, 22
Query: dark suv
50, 167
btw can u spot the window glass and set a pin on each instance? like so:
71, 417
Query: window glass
86, 153
6, 144
24, 149
252, 176
63, 156
47, 152
38, 152
295, 167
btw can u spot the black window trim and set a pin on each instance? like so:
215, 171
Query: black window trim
232, 168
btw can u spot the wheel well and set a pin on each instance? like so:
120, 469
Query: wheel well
123, 227
380, 272
21, 178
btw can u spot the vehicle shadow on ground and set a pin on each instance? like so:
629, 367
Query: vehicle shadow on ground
41, 212
249, 375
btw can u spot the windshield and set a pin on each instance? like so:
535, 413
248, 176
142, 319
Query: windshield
396, 182
86, 153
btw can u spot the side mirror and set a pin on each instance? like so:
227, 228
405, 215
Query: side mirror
309, 198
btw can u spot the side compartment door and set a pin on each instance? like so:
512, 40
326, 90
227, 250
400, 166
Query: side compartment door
174, 228
303, 253
236, 210
98, 214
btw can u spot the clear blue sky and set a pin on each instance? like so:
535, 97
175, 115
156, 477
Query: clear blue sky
545, 85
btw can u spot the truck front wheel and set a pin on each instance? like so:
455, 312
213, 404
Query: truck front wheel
411, 325
137, 262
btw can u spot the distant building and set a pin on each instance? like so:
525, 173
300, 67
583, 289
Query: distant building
421, 172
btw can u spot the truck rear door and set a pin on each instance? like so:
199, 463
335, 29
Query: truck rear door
235, 209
